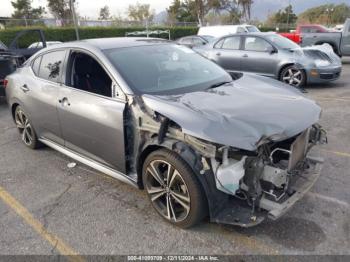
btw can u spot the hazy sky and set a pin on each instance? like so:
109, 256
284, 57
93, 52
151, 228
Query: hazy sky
91, 8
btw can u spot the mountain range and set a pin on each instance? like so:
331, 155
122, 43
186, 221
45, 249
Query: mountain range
262, 8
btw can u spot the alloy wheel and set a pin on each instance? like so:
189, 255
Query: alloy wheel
293, 76
167, 190
24, 127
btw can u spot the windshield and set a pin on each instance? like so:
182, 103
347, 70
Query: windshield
165, 69
252, 29
282, 42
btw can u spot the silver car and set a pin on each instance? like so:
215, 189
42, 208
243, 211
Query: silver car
272, 55
160, 117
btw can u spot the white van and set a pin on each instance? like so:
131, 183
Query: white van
221, 30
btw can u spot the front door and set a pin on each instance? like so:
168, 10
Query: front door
20, 46
258, 58
91, 119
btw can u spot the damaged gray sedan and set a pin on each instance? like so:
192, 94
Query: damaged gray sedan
162, 118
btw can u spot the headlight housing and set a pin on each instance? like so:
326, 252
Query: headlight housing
321, 62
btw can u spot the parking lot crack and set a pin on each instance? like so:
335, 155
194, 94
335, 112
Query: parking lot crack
54, 205
54, 248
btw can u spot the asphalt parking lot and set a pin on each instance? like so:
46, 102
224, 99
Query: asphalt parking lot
48, 208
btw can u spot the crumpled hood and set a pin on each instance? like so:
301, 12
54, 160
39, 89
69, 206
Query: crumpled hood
241, 113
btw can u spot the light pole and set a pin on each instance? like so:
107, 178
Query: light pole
74, 18
288, 14
329, 11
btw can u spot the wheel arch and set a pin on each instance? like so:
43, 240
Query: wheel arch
187, 153
282, 67
13, 109
291, 64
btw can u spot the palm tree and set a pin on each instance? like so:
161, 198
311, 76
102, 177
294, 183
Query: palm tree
246, 8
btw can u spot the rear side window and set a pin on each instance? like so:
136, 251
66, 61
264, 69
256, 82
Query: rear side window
198, 41
51, 65
36, 65
187, 40
232, 43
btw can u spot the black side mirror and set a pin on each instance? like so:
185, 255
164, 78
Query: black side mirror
271, 50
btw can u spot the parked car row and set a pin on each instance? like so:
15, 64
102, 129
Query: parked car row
157, 115
308, 35
272, 55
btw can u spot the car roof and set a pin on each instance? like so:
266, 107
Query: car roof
232, 26
251, 34
120, 42
108, 43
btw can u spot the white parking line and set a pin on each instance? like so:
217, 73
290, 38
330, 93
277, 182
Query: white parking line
329, 199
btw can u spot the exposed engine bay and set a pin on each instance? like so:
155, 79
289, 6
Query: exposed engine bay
250, 167
243, 187
268, 177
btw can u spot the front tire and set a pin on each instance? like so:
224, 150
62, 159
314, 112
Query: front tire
173, 189
25, 128
293, 76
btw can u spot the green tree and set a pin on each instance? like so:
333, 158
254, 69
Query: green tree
213, 11
283, 16
181, 11
246, 6
140, 12
325, 14
104, 13
231, 8
60, 9
23, 9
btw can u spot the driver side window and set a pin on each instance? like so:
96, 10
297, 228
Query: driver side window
85, 73
256, 44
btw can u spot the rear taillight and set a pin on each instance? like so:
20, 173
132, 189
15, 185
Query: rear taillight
5, 82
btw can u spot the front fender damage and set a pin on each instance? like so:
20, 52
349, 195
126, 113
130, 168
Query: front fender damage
242, 187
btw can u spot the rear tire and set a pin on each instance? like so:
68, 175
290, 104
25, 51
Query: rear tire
25, 128
173, 189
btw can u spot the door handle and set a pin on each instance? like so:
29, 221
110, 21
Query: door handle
218, 54
64, 101
245, 55
25, 88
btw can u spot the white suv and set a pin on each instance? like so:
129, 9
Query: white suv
221, 30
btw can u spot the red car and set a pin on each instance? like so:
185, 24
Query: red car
297, 37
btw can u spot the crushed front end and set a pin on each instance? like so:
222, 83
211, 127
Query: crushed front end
265, 183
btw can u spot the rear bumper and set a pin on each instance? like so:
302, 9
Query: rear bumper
300, 187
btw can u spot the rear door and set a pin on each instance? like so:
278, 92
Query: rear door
41, 90
227, 53
92, 119
257, 56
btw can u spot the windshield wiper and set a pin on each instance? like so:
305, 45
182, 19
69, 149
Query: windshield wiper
219, 84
